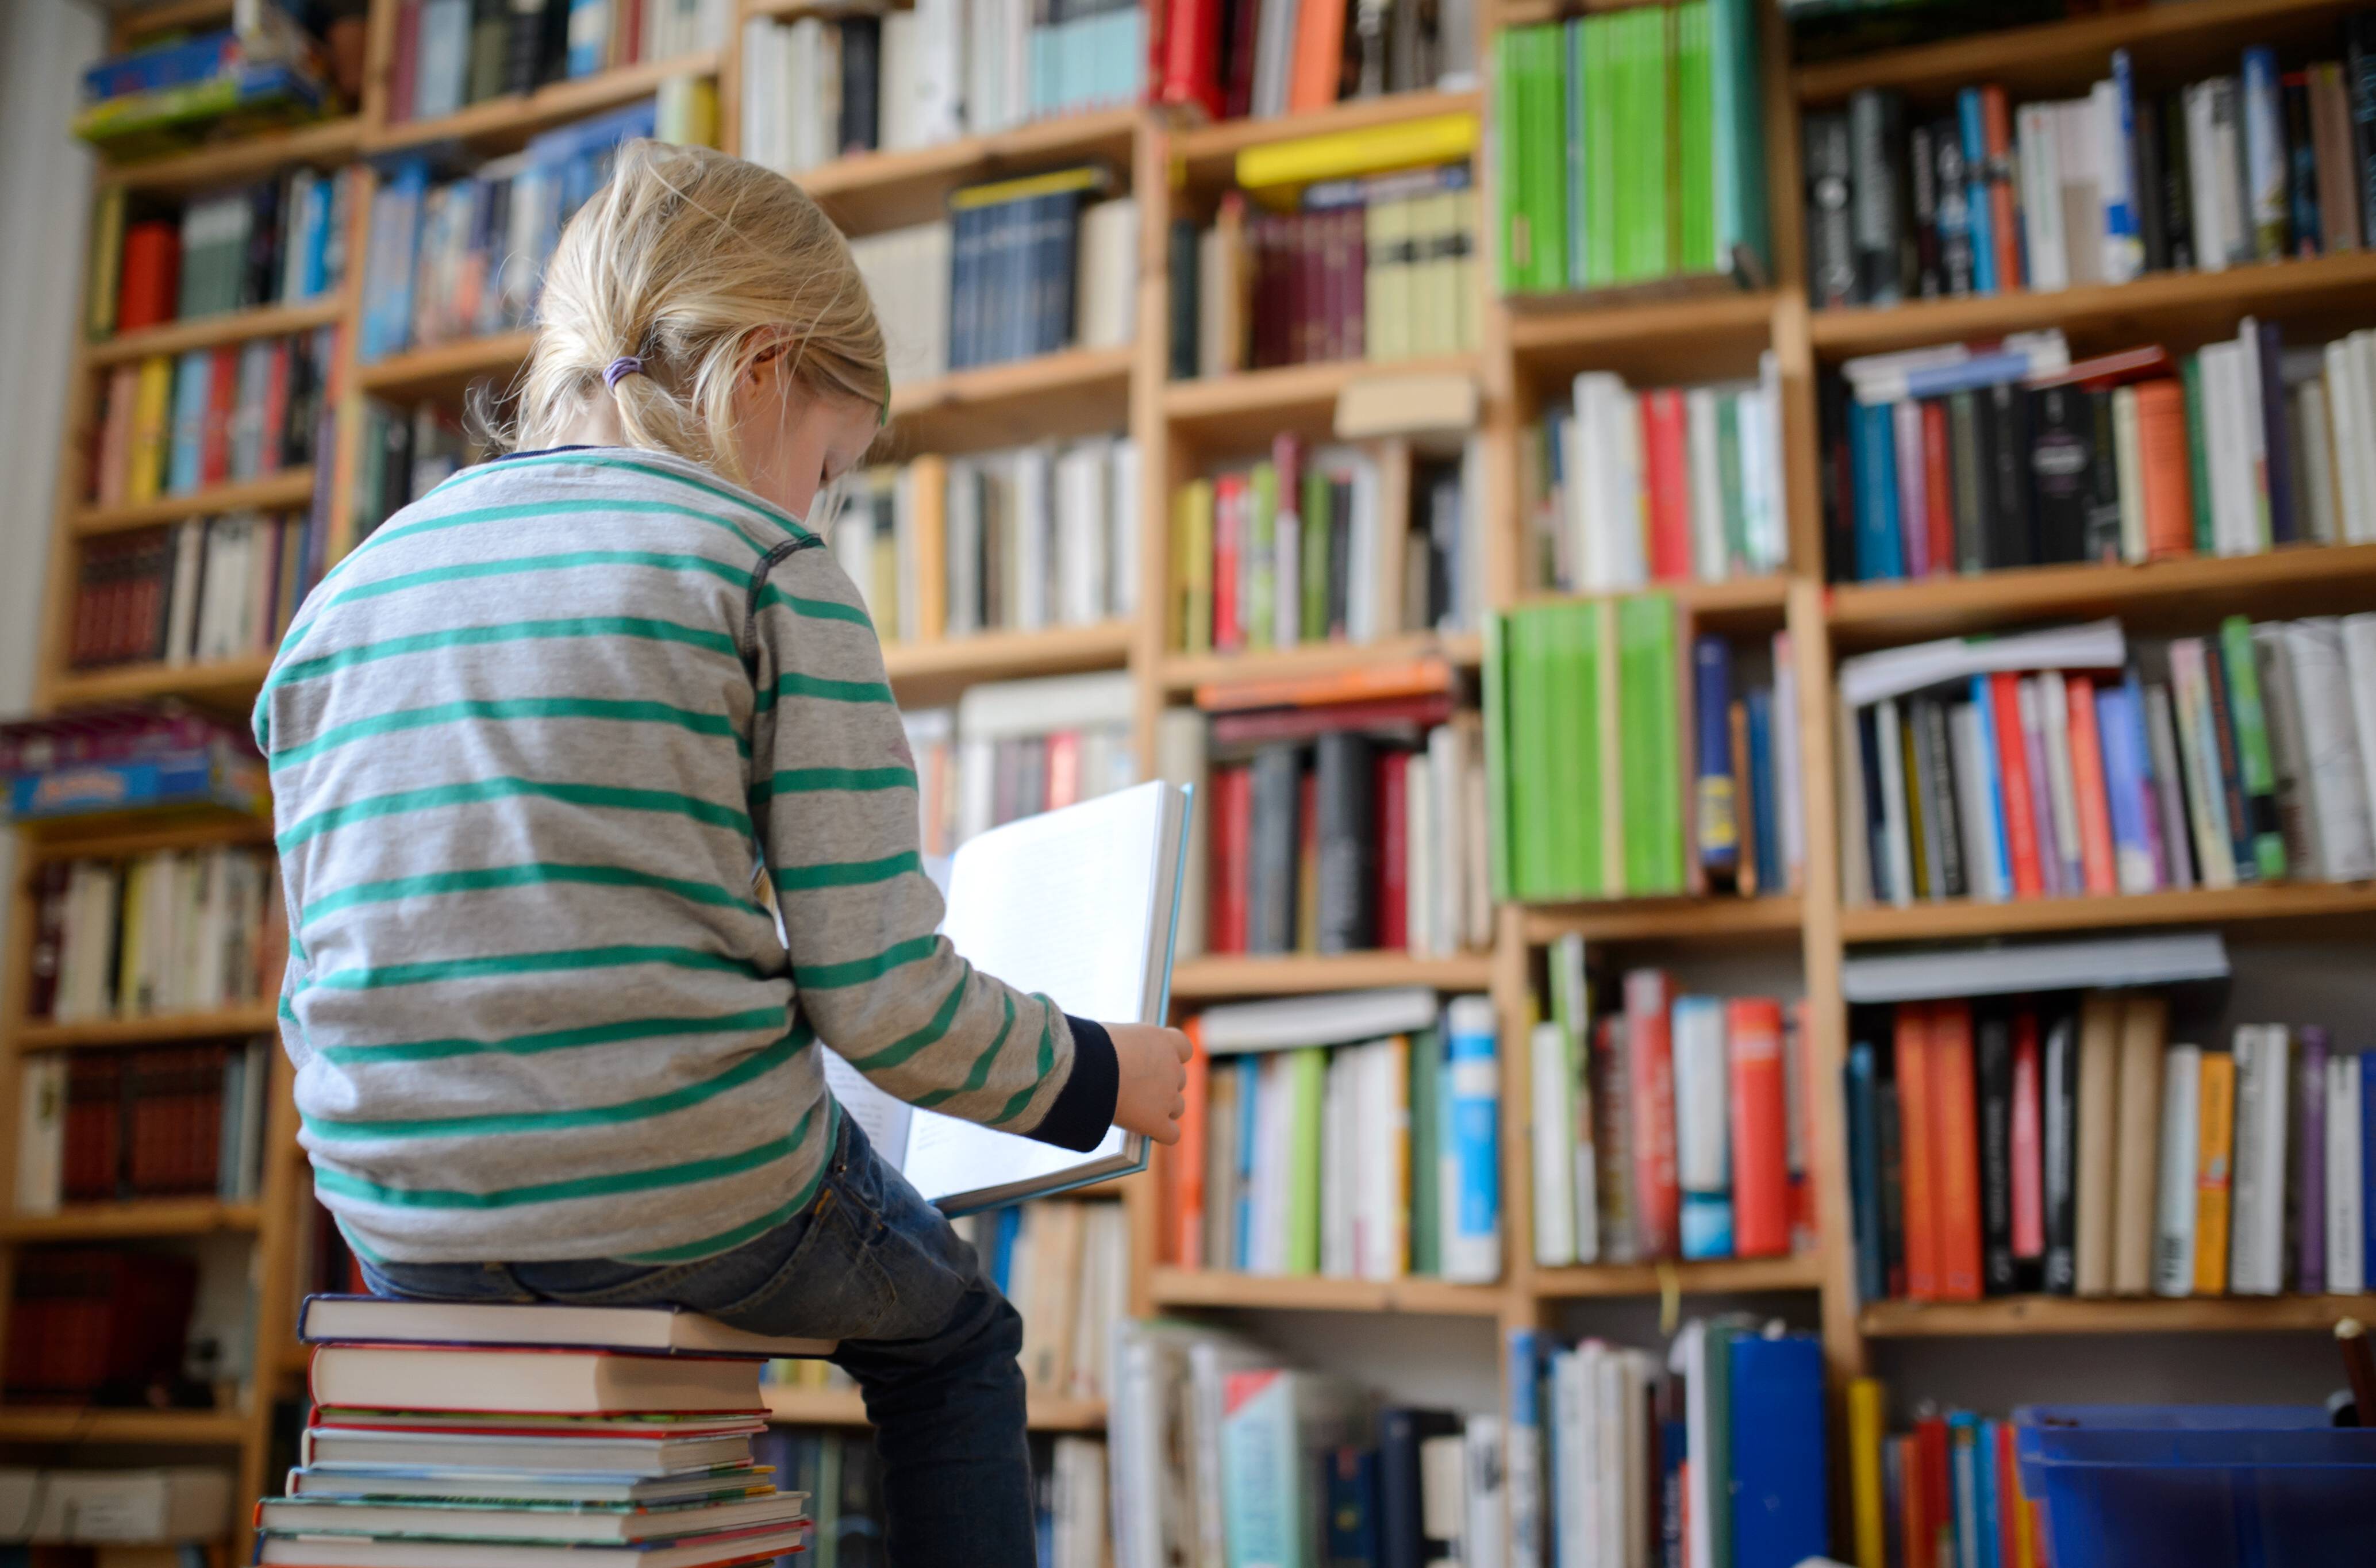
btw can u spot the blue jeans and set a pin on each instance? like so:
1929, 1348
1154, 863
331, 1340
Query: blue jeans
872, 1265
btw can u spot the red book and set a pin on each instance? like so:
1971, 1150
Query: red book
149, 291
1666, 472
1938, 503
1307, 862
1649, 1004
1393, 849
2009, 1499
404, 71
222, 403
1760, 1129
2013, 780
1997, 127
1189, 64
1956, 1151
1233, 810
1354, 305
1794, 1092
1064, 768
1933, 1458
2028, 1142
2087, 784
1917, 1139
276, 409
1912, 1526
1229, 539
1183, 1189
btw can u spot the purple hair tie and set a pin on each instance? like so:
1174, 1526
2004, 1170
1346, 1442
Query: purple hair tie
620, 368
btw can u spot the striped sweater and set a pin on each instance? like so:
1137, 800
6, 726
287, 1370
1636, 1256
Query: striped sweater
532, 747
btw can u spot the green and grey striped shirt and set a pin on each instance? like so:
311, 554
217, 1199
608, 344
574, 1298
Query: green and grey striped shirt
530, 746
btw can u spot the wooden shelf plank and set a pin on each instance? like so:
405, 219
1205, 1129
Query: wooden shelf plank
1735, 604
2274, 583
121, 834
443, 370
882, 190
134, 1217
1251, 405
1206, 1287
288, 489
205, 331
845, 1408
2190, 306
41, 1034
1075, 392
1664, 920
324, 145
23, 1423
217, 681
2072, 1314
1303, 973
1709, 336
1963, 918
927, 674
1207, 155
1706, 1278
512, 119
1186, 672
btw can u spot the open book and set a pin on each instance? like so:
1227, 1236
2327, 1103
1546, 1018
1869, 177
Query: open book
1079, 904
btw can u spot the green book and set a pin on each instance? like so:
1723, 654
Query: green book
1307, 1085
1312, 574
2253, 747
1694, 143
1494, 672
1715, 1372
1595, 59
1738, 197
1573, 167
1540, 717
2198, 456
1426, 1150
1511, 153
1652, 784
1649, 150
1546, 169
1576, 722
1258, 617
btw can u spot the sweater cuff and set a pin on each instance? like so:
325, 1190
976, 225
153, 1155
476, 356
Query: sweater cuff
1085, 1106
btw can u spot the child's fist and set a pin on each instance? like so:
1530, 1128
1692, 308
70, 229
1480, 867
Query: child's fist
1149, 1096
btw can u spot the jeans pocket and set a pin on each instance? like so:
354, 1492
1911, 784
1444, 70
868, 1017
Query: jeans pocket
829, 1287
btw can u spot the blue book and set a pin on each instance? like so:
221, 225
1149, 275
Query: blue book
1983, 222
443, 57
1471, 1185
1778, 1489
1523, 1458
1864, 1173
589, 37
1872, 442
1993, 783
188, 458
1764, 810
1249, 1093
1989, 1549
1674, 1447
1001, 1267
2125, 772
2120, 200
1963, 1485
1350, 1537
1716, 823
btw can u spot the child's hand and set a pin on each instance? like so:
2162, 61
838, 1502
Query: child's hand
1148, 1098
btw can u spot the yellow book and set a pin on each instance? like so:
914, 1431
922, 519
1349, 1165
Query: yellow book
1866, 1419
928, 479
1377, 149
1193, 529
2215, 1145
1056, 180
1464, 271
150, 429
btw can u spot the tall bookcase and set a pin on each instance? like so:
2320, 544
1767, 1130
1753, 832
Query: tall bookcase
1524, 359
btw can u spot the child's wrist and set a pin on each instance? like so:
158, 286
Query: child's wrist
1084, 1108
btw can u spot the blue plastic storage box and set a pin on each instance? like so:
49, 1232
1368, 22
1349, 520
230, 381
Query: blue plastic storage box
2199, 1486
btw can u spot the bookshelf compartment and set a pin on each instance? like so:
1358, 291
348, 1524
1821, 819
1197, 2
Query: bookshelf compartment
503, 125
888, 190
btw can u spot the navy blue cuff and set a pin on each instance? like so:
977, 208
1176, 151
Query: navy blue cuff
1085, 1106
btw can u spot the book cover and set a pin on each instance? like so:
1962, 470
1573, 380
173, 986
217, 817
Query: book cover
1918, 1122
2096, 1110
2213, 1170
1650, 1061
1955, 1151
2145, 1034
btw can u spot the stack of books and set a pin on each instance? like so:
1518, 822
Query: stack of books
455, 1434
1350, 1136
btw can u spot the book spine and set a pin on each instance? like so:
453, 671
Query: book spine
1650, 1063
1761, 1176
2059, 1152
1471, 1181
1918, 1123
1994, 1058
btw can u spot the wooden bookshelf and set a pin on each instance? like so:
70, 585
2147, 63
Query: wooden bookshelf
208, 331
845, 1408
928, 674
2072, 1315
1076, 392
886, 190
1963, 919
161, 1029
133, 1219
69, 1425
216, 682
1247, 409
1212, 1288
290, 488
1298, 974
502, 123
1186, 672
1708, 919
443, 370
324, 145
1717, 1276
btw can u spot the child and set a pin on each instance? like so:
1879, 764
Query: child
526, 746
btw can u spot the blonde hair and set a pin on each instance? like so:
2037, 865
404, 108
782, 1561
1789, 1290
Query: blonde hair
698, 265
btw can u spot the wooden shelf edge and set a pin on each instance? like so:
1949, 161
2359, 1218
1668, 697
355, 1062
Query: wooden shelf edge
1295, 386
845, 1408
23, 1423
1713, 315
1285, 974
418, 368
324, 142
41, 1034
1964, 919
135, 1217
1803, 1271
997, 656
1185, 672
2073, 1315
208, 331
549, 106
1681, 920
1220, 141
214, 678
1207, 1287
1014, 379
288, 489
1050, 138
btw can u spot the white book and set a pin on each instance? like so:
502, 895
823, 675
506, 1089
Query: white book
1385, 1190
1983, 867
2253, 417
2052, 966
1081, 534
380, 1320
1551, 1073
1107, 295
2061, 793
1122, 513
181, 621
1273, 57
2355, 507
40, 1134
1866, 678
2224, 454
1483, 1537
941, 28
2356, 440
2038, 133
1687, 1357
2263, 1096
1476, 853
365, 1551
1768, 528
2177, 868
595, 1524
1339, 1134
1703, 1127
1706, 486
2314, 444
1900, 869
1032, 536
2128, 459
1610, 1397
2290, 750
2181, 1087
2215, 854
2079, 141
2347, 1237
1571, 1483
1445, 797
1079, 904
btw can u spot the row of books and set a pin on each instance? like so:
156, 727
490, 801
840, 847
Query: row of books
125, 1518
1711, 1453
1271, 57
242, 411
1351, 1137
1379, 269
85, 1322
2100, 766
211, 588
1971, 458
819, 87
841, 1474
93, 1126
455, 258
1333, 543
1011, 749
1019, 269
1674, 484
2069, 1145
1632, 146
448, 53
275, 243
173, 930
1665, 1124
1225, 1452
1017, 540
1065, 1266
405, 453
1948, 1491
1982, 199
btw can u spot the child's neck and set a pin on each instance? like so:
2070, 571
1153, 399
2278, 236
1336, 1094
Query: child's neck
596, 423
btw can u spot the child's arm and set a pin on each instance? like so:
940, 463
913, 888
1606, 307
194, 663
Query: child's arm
834, 802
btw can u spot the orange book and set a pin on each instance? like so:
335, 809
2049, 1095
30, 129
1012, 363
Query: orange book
1319, 55
2214, 1168
1997, 134
1916, 1140
1183, 1192
1761, 1155
1955, 1152
1416, 677
1911, 1527
2165, 469
2087, 784
929, 476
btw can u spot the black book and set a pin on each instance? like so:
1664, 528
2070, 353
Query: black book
1273, 841
260, 276
2176, 184
1876, 206
1966, 490
2025, 1124
2302, 168
1992, 1056
966, 228
491, 43
396, 476
2360, 80
1864, 1166
861, 49
1831, 254
1402, 1538
2276, 436
1949, 878
1889, 1117
540, 38
1053, 265
1183, 300
2101, 540
2059, 1147
1341, 554
1833, 411
1922, 162
2144, 182
2013, 533
2062, 458
1344, 796
1876, 821
1953, 218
